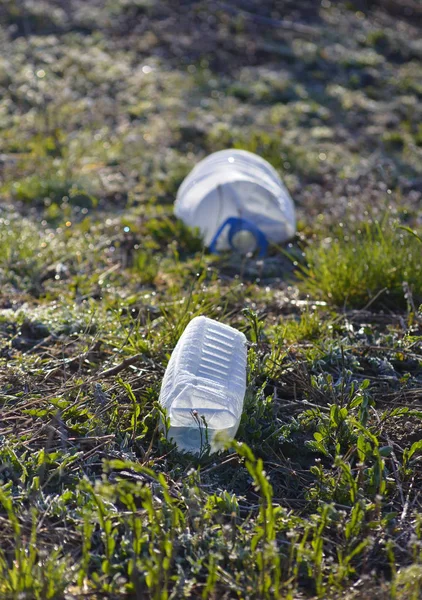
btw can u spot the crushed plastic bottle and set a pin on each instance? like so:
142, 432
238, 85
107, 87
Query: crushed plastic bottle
204, 385
238, 201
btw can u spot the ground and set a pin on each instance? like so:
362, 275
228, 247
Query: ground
105, 106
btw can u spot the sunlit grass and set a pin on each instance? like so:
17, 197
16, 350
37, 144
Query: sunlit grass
374, 265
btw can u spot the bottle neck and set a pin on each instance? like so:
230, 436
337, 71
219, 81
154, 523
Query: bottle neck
243, 236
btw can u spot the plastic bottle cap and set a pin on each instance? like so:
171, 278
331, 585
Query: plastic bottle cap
244, 241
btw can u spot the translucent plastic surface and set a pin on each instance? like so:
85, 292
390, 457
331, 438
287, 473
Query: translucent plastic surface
205, 380
236, 183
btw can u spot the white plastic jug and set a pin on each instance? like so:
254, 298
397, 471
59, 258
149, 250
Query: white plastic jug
205, 379
238, 201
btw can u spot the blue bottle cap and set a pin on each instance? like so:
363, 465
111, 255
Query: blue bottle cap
237, 226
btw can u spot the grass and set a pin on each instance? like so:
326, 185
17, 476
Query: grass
378, 263
103, 111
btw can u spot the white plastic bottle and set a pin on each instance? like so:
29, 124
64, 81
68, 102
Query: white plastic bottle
205, 380
237, 200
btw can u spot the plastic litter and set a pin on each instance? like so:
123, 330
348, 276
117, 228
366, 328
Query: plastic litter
205, 380
238, 201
